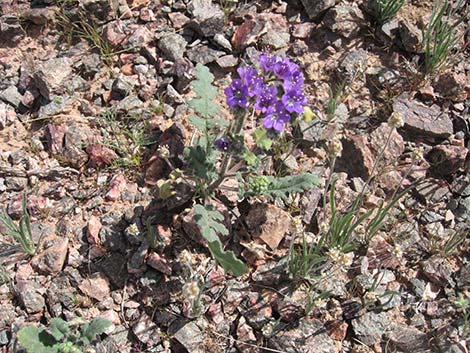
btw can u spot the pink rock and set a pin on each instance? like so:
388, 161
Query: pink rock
178, 19
113, 32
447, 159
303, 30
159, 263
100, 156
51, 260
215, 313
96, 287
55, 135
268, 223
93, 230
117, 185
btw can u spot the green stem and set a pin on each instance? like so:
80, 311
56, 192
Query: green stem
226, 161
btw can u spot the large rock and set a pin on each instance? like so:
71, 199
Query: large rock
345, 20
51, 75
360, 151
424, 120
207, 17
411, 37
370, 327
51, 260
269, 224
316, 7
173, 46
310, 336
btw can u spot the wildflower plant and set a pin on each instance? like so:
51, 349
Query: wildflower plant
61, 336
272, 92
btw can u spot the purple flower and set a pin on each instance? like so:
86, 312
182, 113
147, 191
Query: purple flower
294, 101
267, 62
296, 80
284, 69
277, 118
266, 99
236, 94
251, 79
222, 144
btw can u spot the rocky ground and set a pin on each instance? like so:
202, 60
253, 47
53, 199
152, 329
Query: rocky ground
90, 89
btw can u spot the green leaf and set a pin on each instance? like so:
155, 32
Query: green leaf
201, 162
282, 187
96, 327
204, 104
59, 328
261, 139
227, 259
199, 123
208, 221
36, 340
250, 158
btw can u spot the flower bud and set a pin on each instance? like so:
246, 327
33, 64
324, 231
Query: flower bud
396, 120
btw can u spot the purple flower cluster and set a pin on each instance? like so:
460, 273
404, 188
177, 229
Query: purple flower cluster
276, 92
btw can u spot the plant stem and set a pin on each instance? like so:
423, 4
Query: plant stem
226, 161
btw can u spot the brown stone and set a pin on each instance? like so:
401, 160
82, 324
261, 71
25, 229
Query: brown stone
269, 223
96, 287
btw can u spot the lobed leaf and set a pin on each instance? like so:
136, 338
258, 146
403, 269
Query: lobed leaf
204, 104
208, 221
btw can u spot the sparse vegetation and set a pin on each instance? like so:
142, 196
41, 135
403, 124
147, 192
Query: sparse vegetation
385, 10
16, 237
441, 34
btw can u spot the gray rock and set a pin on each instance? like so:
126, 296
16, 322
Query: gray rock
276, 39
136, 263
16, 183
345, 20
122, 86
461, 186
51, 260
203, 54
370, 327
432, 190
7, 115
39, 15
131, 103
7, 314
309, 337
29, 294
220, 39
90, 65
316, 7
438, 271
464, 276
173, 46
227, 61
354, 62
146, 331
55, 107
410, 339
207, 17
424, 120
11, 96
192, 336
411, 37
4, 338
51, 75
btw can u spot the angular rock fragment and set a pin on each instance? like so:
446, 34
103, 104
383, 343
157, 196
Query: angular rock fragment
316, 7
51, 74
424, 120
